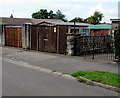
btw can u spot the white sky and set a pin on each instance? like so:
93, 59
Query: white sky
71, 8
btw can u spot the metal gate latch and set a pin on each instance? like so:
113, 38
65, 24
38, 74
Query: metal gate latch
45, 39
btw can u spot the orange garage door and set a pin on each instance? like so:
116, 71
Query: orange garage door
13, 36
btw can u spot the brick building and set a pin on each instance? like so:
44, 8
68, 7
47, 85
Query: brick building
99, 29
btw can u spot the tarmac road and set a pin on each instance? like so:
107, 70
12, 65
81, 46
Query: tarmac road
21, 81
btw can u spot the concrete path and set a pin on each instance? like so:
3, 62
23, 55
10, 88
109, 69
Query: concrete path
61, 63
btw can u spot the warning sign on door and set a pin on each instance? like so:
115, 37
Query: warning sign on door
54, 29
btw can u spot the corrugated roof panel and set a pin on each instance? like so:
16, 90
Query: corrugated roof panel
100, 27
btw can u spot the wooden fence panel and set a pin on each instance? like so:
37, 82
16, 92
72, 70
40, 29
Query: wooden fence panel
53, 40
33, 37
62, 39
41, 39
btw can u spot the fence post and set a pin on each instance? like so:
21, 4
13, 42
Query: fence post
93, 48
74, 46
58, 36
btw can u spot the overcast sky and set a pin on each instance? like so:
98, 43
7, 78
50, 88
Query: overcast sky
71, 8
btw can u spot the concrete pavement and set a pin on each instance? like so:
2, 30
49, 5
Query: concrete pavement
58, 62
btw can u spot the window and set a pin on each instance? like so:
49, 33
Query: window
84, 31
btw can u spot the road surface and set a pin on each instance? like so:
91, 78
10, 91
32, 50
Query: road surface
22, 81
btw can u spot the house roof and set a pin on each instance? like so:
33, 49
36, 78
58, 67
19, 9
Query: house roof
14, 20
37, 21
115, 19
20, 21
99, 27
76, 24
26, 20
63, 23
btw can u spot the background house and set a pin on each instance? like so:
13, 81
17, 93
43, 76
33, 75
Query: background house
99, 29
115, 25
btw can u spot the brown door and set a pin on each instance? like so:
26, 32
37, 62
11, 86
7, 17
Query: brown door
47, 39
13, 36
43, 38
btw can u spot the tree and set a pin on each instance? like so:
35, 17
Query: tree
95, 19
77, 19
43, 14
51, 15
60, 15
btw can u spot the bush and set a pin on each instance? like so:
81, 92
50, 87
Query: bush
117, 44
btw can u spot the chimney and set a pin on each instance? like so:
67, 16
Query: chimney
11, 16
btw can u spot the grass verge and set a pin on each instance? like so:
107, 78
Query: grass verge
108, 78
53, 70
84, 81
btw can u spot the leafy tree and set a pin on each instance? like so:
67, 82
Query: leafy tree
95, 19
77, 19
60, 15
43, 14
51, 15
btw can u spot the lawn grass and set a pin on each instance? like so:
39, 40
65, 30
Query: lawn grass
2, 23
109, 78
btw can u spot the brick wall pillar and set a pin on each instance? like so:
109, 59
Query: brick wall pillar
2, 35
70, 44
25, 36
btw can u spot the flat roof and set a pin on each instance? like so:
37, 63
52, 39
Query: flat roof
115, 19
99, 27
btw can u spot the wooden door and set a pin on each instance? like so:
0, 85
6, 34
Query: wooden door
13, 36
43, 38
47, 39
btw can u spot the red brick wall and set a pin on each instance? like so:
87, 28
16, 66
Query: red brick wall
99, 32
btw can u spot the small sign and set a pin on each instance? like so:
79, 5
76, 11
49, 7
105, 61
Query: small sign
55, 29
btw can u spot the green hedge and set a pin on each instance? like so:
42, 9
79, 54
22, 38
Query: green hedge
117, 43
